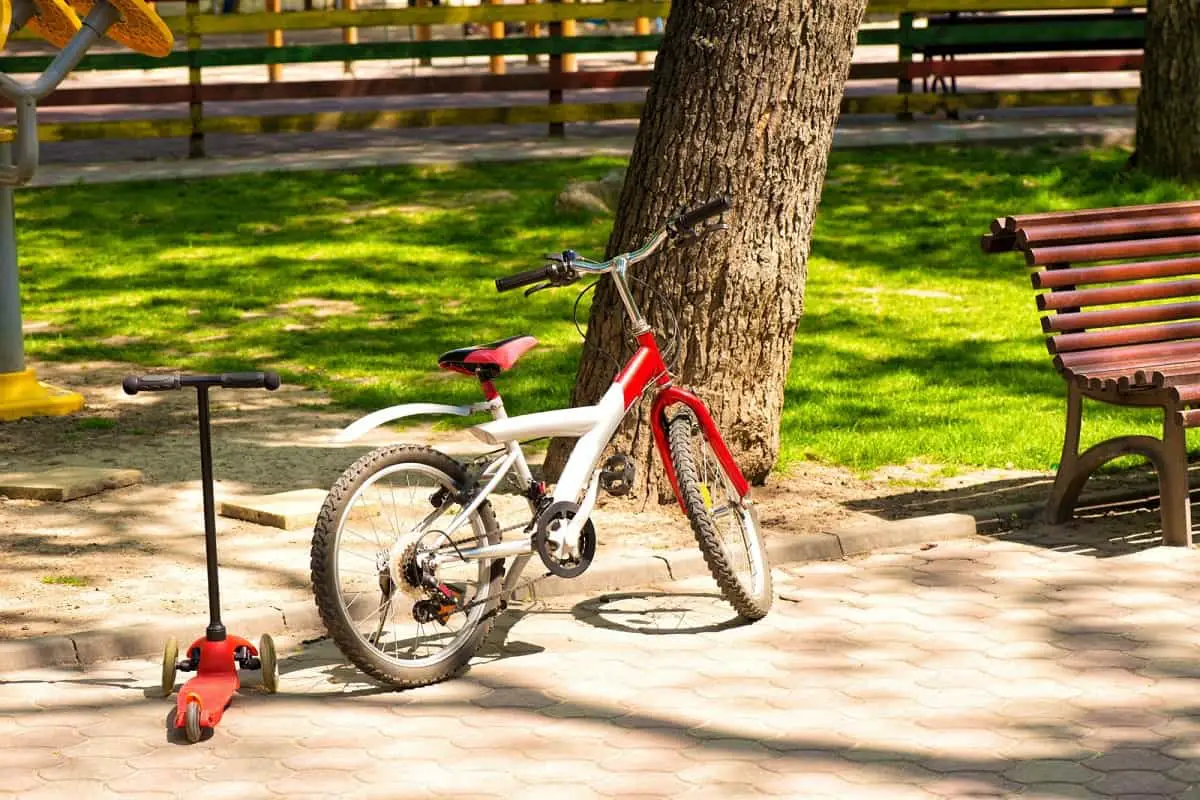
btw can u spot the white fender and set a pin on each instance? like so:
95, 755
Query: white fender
383, 416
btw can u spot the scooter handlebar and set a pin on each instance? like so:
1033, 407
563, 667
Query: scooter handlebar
228, 380
150, 383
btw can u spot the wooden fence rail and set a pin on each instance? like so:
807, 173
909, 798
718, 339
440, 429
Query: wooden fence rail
204, 44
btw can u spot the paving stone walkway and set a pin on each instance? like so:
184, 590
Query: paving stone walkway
975, 668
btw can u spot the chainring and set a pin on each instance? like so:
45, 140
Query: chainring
562, 513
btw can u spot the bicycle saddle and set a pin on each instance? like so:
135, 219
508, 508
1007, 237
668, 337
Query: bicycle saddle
487, 360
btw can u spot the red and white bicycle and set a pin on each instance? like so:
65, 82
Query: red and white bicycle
407, 556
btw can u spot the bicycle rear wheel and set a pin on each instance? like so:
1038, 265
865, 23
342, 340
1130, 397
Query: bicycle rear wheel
727, 531
371, 546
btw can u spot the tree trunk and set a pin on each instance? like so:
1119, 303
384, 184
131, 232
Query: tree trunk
743, 102
1168, 125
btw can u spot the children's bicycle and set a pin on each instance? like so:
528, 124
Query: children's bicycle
407, 556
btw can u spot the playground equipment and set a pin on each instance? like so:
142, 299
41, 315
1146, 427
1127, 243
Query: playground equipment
134, 24
216, 657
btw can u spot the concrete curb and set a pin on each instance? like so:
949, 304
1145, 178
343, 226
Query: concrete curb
292, 621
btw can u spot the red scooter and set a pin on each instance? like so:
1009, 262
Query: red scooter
216, 657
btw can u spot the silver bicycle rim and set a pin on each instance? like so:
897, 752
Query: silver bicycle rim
735, 525
401, 639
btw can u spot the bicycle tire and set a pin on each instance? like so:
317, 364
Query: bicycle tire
751, 599
326, 589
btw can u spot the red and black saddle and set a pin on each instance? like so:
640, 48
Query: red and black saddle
486, 361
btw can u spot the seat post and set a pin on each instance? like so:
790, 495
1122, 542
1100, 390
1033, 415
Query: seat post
489, 389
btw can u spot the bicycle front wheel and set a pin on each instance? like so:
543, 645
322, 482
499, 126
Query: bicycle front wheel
392, 593
727, 532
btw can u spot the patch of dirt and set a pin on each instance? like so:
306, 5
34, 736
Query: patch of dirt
124, 556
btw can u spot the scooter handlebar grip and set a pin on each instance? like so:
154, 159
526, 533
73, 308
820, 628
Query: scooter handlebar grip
250, 380
150, 383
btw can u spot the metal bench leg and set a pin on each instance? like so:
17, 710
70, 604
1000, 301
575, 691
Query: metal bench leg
1169, 456
1176, 508
1069, 480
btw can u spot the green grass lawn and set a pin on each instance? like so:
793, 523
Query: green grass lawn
914, 346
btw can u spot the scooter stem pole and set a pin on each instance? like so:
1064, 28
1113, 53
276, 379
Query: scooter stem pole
216, 630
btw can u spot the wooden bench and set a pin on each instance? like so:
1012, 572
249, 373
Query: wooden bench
1122, 290
959, 33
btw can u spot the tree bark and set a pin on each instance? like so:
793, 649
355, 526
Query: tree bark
1168, 119
743, 102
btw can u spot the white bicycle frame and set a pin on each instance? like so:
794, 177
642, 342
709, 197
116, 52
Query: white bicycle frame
593, 425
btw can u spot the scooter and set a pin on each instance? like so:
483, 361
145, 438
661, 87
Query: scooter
215, 658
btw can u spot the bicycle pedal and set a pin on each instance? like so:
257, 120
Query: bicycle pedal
618, 475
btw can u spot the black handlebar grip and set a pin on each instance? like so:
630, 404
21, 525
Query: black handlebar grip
250, 380
713, 208
524, 278
150, 383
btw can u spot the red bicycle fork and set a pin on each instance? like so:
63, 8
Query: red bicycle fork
646, 367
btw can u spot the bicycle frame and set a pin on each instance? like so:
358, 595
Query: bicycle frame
595, 426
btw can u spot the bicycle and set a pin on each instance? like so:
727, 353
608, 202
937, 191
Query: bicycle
379, 560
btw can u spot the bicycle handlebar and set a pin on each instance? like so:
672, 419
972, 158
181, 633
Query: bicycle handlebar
564, 271
523, 278
713, 208
227, 380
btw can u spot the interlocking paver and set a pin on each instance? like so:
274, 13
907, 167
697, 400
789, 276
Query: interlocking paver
977, 669
1126, 782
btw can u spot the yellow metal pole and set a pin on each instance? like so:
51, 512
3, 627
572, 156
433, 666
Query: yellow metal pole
569, 28
274, 39
641, 26
496, 31
349, 35
424, 33
534, 31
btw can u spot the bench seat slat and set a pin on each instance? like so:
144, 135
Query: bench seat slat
1105, 230
1154, 353
1111, 273
1134, 315
1187, 394
1103, 251
1138, 375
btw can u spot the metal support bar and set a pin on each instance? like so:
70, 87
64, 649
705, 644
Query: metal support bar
12, 354
216, 631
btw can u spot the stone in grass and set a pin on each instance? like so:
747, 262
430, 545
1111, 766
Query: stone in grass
596, 196
66, 483
286, 510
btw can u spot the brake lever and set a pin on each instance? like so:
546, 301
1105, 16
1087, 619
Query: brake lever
537, 289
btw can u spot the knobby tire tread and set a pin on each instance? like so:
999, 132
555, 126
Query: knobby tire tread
679, 435
363, 656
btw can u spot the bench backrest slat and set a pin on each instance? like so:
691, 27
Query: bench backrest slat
1111, 273
1046, 234
1104, 251
1111, 295
1133, 315
1068, 342
1011, 224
